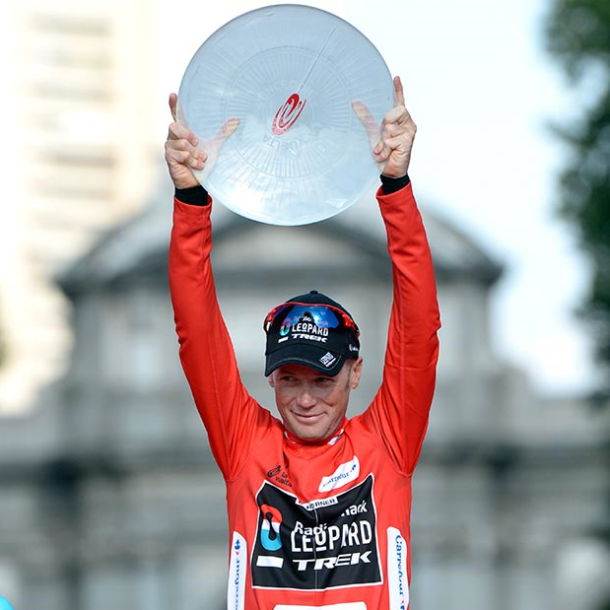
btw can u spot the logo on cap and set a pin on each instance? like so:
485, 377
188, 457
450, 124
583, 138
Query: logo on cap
316, 334
328, 359
304, 328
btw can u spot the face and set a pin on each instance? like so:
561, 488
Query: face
311, 404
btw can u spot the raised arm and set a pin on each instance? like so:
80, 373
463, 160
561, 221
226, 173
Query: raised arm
399, 412
206, 351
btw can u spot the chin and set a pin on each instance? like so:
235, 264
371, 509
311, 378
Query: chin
303, 433
311, 436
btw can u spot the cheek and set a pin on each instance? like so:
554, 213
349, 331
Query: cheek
337, 399
282, 396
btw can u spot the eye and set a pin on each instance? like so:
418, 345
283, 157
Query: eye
287, 379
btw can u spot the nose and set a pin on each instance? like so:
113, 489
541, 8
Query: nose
306, 398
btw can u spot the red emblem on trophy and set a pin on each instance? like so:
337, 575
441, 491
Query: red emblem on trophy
287, 114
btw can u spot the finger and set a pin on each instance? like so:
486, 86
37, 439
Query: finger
227, 129
371, 127
398, 90
383, 154
185, 146
397, 137
392, 130
181, 151
180, 132
214, 145
178, 156
399, 143
230, 127
398, 115
173, 102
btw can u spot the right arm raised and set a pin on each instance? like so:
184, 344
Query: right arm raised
206, 351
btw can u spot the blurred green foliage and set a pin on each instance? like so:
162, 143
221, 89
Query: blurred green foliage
578, 37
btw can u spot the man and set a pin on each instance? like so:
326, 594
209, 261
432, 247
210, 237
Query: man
319, 505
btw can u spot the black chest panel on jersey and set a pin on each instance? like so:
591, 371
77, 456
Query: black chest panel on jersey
318, 545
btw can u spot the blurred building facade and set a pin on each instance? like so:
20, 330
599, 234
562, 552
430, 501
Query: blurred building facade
77, 160
110, 494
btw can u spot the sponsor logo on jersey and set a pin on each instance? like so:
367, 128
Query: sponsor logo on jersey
345, 473
319, 503
274, 471
321, 544
270, 528
279, 475
398, 583
238, 566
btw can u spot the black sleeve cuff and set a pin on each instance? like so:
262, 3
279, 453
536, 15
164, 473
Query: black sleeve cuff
391, 185
196, 195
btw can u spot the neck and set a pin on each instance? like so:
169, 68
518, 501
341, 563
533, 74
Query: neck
329, 440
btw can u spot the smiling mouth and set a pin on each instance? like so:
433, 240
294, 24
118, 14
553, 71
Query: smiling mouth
307, 417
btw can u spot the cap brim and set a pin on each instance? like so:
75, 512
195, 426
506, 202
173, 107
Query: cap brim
312, 358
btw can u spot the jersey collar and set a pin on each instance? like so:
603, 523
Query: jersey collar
295, 440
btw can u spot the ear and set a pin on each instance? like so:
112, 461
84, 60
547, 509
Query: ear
355, 373
270, 380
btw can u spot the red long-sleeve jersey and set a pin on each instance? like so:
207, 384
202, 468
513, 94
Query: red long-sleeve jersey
322, 525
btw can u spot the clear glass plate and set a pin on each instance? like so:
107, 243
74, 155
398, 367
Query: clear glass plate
282, 80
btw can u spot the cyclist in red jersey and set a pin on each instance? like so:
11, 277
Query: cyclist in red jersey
319, 504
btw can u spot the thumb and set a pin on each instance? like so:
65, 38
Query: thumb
173, 102
371, 127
